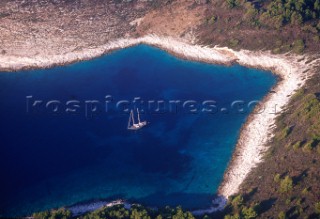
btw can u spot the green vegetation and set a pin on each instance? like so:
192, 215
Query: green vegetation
308, 146
282, 215
236, 216
309, 111
259, 24
237, 210
232, 3
281, 12
60, 213
317, 208
277, 178
286, 184
284, 133
237, 201
233, 43
305, 191
297, 145
248, 213
298, 46
212, 20
179, 214
119, 212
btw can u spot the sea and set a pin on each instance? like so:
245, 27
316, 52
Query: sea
64, 135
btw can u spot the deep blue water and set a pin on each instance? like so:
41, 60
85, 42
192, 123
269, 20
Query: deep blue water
51, 159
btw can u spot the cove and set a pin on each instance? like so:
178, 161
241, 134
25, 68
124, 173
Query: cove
51, 159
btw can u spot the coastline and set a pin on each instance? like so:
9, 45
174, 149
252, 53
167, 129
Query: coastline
293, 71
82, 208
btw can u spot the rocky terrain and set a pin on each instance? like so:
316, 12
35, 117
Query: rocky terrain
53, 27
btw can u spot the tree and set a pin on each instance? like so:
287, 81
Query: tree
276, 178
296, 18
318, 26
60, 213
237, 201
249, 213
278, 21
282, 215
286, 184
316, 6
135, 214
236, 216
178, 214
298, 46
317, 208
41, 215
232, 3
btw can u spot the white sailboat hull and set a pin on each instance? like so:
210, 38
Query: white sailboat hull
135, 126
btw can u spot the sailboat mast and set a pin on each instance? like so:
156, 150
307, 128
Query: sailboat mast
132, 117
138, 115
129, 119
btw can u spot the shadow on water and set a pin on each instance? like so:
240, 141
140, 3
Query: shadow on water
186, 200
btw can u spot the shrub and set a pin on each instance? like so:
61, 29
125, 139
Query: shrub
309, 28
276, 50
137, 214
316, 38
212, 20
41, 215
317, 208
248, 213
296, 18
288, 201
282, 215
318, 26
298, 46
276, 178
299, 202
305, 191
233, 42
286, 184
297, 145
237, 201
179, 214
61, 213
251, 11
309, 146
232, 3
278, 21
284, 133
236, 216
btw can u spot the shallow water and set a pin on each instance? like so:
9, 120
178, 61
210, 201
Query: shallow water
50, 159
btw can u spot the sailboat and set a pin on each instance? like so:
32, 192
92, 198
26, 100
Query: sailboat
135, 126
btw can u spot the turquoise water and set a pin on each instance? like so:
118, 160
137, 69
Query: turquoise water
60, 153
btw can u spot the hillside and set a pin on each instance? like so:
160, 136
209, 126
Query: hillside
287, 182
280, 26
